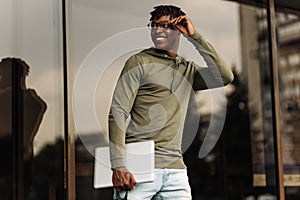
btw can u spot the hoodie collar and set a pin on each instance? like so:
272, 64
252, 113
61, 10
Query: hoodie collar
160, 53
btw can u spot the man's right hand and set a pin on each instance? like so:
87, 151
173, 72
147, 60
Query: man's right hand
122, 179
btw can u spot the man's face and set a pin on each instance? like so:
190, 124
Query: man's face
163, 36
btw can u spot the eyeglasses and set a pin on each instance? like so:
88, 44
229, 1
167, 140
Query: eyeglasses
153, 25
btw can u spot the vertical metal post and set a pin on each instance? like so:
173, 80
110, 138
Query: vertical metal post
17, 133
69, 149
275, 97
17, 107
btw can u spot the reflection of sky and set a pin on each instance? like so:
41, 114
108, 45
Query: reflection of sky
92, 21
29, 30
95, 22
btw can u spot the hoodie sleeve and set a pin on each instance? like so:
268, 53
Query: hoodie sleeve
122, 102
217, 74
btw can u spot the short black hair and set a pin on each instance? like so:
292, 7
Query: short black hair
7, 64
165, 10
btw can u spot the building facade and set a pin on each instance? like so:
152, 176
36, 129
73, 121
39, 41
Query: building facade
59, 64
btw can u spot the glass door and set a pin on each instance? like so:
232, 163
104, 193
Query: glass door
31, 100
242, 163
288, 39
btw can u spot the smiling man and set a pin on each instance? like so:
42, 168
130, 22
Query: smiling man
153, 92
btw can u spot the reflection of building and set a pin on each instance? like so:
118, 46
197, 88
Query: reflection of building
56, 37
289, 63
254, 37
252, 57
251, 68
289, 71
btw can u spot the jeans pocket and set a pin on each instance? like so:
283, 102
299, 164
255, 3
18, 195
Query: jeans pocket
121, 195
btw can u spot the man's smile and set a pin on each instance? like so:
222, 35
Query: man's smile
160, 38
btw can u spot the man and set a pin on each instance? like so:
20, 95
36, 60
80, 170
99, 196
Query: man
153, 92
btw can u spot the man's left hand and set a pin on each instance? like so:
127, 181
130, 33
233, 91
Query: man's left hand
184, 25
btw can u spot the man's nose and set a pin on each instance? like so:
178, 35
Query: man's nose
159, 29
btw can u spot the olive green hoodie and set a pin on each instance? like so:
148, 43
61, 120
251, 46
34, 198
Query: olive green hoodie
151, 98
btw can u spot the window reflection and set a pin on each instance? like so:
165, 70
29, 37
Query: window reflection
288, 26
22, 111
257, 70
242, 165
32, 31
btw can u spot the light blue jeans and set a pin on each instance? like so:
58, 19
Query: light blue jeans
168, 184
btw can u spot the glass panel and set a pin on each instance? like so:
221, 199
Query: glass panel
256, 65
288, 27
31, 118
241, 164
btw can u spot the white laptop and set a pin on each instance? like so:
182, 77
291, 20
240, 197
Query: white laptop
139, 161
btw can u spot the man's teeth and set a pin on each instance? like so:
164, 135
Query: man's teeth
160, 38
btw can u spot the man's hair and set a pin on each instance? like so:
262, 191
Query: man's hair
165, 10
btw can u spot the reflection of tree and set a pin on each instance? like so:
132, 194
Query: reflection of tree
236, 142
21, 114
85, 168
226, 171
6, 168
48, 172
